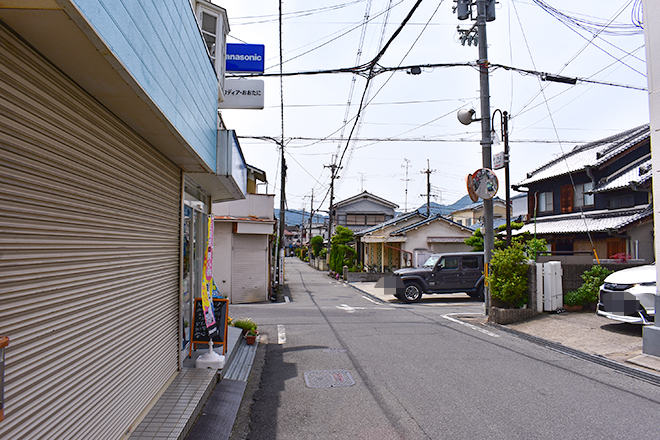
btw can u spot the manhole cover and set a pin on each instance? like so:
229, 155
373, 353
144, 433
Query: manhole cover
334, 350
328, 378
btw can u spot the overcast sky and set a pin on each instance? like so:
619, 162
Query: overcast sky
548, 119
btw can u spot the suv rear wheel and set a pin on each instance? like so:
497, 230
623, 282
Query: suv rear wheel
412, 293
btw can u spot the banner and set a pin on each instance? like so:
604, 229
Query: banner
207, 281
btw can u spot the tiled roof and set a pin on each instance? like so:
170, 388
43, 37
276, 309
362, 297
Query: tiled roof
365, 195
588, 155
426, 221
635, 174
594, 221
389, 222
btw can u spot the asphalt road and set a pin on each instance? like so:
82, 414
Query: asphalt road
419, 373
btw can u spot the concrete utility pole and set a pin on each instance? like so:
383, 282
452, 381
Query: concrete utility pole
485, 12
333, 175
406, 166
428, 171
311, 218
486, 140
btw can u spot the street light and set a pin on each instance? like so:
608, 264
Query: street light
466, 117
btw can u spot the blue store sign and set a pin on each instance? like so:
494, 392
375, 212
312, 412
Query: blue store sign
245, 57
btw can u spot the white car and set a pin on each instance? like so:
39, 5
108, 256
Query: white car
628, 295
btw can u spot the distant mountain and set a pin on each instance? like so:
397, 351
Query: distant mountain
294, 217
436, 208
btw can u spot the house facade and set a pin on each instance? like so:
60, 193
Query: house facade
408, 239
110, 160
473, 215
596, 198
362, 211
243, 244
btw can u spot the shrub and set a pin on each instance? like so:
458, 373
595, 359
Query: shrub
508, 276
317, 244
245, 324
588, 292
574, 298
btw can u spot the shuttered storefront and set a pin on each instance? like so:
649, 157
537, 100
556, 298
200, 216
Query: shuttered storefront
89, 258
250, 268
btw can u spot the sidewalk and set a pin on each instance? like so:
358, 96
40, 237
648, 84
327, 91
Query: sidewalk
215, 394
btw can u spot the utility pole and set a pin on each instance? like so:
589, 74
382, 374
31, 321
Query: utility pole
301, 230
406, 166
428, 171
280, 238
333, 175
485, 12
311, 218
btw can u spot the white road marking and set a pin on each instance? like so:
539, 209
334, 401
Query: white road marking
473, 327
348, 308
281, 334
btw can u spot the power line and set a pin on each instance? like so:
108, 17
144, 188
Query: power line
376, 70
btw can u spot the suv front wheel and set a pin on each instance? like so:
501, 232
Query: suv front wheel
412, 293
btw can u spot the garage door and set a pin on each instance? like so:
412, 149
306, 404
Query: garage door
89, 258
250, 268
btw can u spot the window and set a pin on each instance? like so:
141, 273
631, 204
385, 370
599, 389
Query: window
355, 219
449, 263
374, 219
566, 199
582, 199
211, 20
545, 202
470, 262
624, 201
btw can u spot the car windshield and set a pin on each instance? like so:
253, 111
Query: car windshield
431, 261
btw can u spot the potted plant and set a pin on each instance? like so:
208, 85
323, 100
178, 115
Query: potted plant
246, 324
251, 336
573, 301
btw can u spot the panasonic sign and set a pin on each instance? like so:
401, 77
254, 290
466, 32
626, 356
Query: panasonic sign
244, 58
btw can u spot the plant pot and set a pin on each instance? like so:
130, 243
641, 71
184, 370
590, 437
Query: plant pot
573, 308
249, 339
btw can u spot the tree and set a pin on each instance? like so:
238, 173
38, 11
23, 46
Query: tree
529, 244
340, 254
317, 244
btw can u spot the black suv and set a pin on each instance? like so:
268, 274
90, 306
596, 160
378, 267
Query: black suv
443, 273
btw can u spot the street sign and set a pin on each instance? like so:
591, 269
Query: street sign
498, 160
243, 93
244, 58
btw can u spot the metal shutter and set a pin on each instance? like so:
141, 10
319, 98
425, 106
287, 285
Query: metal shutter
249, 268
89, 258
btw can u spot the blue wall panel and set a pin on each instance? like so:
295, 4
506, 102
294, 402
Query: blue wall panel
160, 45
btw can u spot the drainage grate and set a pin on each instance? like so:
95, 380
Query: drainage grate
334, 350
328, 378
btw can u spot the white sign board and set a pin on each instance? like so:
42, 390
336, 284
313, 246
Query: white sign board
498, 160
243, 93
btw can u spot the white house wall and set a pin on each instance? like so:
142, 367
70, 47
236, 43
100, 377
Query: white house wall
257, 205
418, 239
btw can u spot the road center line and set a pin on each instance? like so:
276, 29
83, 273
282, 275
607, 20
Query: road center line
473, 327
281, 334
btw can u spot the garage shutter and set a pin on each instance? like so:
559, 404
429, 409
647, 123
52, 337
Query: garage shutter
250, 268
89, 258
